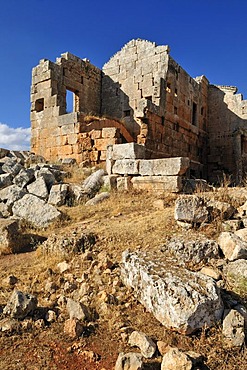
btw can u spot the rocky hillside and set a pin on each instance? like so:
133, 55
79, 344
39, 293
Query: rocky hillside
96, 279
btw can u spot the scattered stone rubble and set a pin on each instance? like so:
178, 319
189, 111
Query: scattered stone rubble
33, 194
166, 285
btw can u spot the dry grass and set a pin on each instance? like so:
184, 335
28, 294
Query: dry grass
125, 220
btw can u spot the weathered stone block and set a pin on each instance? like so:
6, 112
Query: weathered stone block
191, 209
5, 180
180, 299
110, 132
164, 166
126, 167
35, 211
102, 144
158, 183
128, 151
58, 194
124, 183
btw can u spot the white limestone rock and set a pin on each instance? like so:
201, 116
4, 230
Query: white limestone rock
193, 250
5, 180
38, 188
98, 199
58, 194
20, 305
10, 237
164, 166
128, 151
35, 211
236, 275
232, 246
192, 209
129, 361
24, 177
76, 310
142, 341
233, 328
11, 194
93, 183
172, 184
175, 359
126, 167
180, 299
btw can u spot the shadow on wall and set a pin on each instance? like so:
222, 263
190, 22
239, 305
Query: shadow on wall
115, 103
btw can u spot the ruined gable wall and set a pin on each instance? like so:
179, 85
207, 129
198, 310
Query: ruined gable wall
131, 76
227, 132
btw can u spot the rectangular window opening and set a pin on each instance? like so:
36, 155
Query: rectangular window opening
72, 101
176, 92
194, 114
175, 110
39, 105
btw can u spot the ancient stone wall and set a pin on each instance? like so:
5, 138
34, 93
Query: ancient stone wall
55, 131
228, 135
150, 99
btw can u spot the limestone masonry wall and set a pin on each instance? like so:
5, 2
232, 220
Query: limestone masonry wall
149, 99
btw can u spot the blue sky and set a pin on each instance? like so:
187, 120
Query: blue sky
206, 37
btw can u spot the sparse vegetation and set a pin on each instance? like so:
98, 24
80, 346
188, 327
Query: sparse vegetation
125, 220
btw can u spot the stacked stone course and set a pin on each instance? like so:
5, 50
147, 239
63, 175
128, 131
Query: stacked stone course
151, 100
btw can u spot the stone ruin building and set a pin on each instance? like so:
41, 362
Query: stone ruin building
143, 96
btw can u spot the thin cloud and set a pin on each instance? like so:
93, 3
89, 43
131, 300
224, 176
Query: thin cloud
14, 138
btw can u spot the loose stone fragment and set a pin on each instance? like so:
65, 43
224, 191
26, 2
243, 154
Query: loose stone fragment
20, 305
232, 246
141, 340
233, 328
129, 361
176, 360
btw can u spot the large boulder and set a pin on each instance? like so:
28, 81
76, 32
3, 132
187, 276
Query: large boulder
70, 243
98, 199
164, 166
35, 211
181, 300
12, 166
233, 328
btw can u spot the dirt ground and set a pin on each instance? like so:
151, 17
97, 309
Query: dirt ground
124, 221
